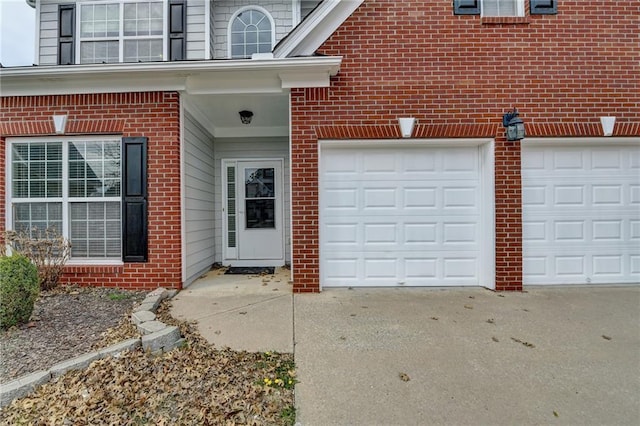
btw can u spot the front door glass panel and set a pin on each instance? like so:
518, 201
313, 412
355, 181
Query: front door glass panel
260, 198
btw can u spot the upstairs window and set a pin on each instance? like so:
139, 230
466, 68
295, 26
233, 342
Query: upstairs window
502, 7
127, 31
251, 31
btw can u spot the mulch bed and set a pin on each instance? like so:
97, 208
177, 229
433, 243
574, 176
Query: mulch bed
66, 322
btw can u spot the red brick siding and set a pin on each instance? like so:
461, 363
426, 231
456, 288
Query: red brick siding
155, 115
457, 75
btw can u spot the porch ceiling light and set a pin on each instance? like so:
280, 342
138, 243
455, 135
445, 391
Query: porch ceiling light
246, 116
514, 125
406, 126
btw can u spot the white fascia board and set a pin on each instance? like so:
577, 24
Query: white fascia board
316, 28
229, 76
308, 79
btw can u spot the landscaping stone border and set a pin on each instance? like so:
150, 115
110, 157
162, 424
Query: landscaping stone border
157, 338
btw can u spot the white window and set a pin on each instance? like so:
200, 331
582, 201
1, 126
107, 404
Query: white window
124, 31
251, 30
72, 185
502, 7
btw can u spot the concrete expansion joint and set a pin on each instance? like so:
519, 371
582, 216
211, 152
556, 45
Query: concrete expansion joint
157, 338
239, 308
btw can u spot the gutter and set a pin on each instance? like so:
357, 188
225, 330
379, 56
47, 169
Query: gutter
239, 74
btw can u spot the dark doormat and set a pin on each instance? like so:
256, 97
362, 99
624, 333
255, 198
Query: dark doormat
250, 270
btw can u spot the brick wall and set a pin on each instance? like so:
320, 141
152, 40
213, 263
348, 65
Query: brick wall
154, 115
457, 75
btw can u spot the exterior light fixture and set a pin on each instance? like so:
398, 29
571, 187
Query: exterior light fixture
514, 125
246, 116
59, 123
406, 126
607, 125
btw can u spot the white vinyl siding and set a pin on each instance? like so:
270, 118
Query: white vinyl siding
196, 45
307, 6
48, 44
221, 12
199, 199
240, 148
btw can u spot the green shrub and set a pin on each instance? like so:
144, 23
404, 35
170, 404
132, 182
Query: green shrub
19, 289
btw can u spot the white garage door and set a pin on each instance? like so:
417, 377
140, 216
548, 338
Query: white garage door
400, 216
581, 214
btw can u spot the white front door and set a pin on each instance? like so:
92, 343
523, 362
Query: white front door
259, 219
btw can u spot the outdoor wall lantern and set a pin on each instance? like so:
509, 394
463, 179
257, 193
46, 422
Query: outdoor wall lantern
406, 126
59, 123
246, 116
514, 125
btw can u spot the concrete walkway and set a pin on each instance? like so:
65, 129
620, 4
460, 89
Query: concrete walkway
429, 356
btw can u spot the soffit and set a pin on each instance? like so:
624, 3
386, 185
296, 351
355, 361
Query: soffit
201, 77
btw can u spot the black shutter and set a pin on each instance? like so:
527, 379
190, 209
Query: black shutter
177, 30
66, 34
543, 7
466, 7
134, 199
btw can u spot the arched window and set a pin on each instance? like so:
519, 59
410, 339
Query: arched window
251, 31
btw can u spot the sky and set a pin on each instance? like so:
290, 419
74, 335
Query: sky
17, 33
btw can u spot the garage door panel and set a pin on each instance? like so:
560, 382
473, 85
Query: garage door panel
419, 197
400, 216
568, 228
581, 218
398, 198
392, 269
634, 194
380, 198
634, 264
634, 234
600, 268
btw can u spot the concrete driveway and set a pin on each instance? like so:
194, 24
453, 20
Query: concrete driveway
470, 356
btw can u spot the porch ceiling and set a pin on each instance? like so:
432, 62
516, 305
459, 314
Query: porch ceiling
219, 114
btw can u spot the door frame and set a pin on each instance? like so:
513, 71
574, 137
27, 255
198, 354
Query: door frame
230, 254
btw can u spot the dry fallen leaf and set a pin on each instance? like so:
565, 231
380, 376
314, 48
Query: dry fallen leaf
198, 384
527, 344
